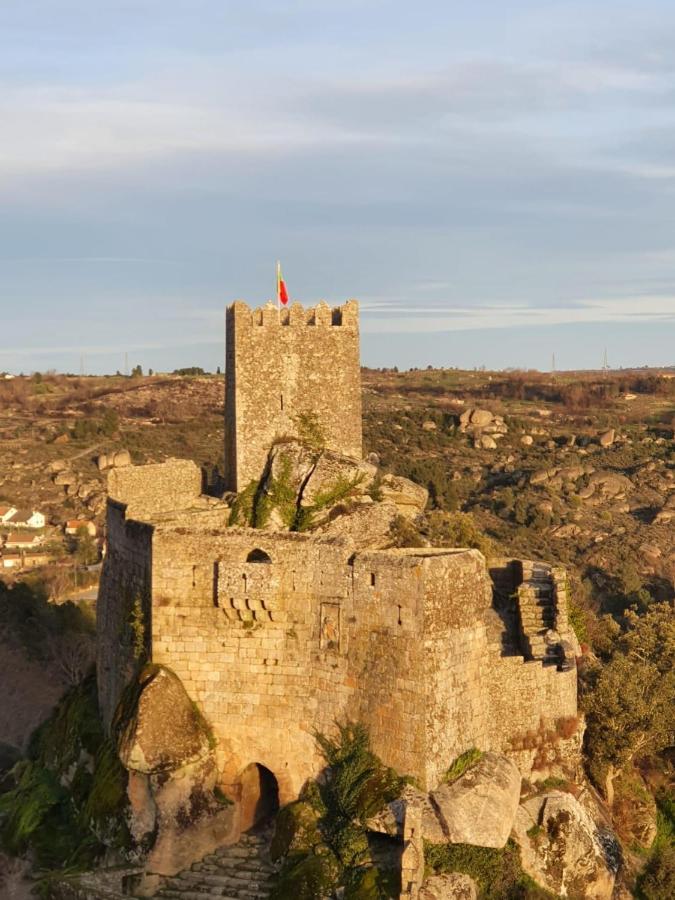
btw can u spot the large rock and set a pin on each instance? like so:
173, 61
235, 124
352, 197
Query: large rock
480, 807
563, 849
367, 525
449, 886
335, 478
165, 732
409, 498
476, 417
165, 744
304, 485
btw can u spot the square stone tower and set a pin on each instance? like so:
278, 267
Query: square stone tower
288, 372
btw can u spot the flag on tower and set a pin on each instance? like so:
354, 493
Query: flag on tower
282, 293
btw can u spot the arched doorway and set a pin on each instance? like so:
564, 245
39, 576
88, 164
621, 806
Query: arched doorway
259, 796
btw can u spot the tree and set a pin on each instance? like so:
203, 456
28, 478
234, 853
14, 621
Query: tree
630, 701
86, 549
137, 372
110, 422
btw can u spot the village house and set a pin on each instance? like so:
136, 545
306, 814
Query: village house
32, 559
17, 541
27, 518
11, 561
73, 526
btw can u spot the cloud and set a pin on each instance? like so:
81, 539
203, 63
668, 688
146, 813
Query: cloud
379, 318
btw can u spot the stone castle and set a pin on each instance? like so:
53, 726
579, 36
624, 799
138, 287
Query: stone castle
276, 634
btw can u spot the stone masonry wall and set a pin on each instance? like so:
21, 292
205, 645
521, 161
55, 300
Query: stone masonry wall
281, 365
124, 591
278, 635
152, 489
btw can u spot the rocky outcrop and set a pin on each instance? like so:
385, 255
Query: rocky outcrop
483, 426
114, 459
304, 488
408, 498
449, 886
479, 807
563, 849
367, 524
165, 744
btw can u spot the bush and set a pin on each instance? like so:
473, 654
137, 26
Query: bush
498, 873
324, 836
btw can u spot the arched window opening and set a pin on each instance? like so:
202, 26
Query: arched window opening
258, 556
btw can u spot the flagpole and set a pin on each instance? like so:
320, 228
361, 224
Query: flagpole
278, 297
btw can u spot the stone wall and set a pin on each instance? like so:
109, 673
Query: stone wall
281, 365
123, 605
276, 636
148, 490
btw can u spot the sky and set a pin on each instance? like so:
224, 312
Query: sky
494, 181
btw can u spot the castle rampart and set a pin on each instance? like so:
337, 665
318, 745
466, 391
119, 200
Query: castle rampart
286, 371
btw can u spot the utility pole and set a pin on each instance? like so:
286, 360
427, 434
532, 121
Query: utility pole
605, 365
126, 364
553, 363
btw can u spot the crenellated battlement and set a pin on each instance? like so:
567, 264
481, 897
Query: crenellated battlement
285, 367
296, 315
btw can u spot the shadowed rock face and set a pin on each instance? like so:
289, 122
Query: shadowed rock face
480, 807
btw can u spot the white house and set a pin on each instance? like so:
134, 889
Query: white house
26, 518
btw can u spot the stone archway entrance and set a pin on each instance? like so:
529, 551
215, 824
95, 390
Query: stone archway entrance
259, 796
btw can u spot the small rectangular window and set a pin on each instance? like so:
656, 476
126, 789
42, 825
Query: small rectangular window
372, 579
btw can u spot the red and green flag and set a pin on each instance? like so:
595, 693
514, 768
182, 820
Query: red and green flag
282, 293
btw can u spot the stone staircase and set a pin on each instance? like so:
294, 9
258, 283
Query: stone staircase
242, 871
537, 611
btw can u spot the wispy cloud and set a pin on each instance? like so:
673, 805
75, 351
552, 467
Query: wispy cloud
379, 317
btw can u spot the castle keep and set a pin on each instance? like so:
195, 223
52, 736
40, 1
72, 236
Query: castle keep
285, 369
276, 634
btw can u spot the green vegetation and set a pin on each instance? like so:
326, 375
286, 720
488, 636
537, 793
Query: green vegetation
190, 370
657, 881
61, 635
323, 839
68, 796
498, 873
309, 430
462, 764
629, 700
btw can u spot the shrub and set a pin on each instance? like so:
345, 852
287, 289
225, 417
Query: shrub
324, 836
462, 764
